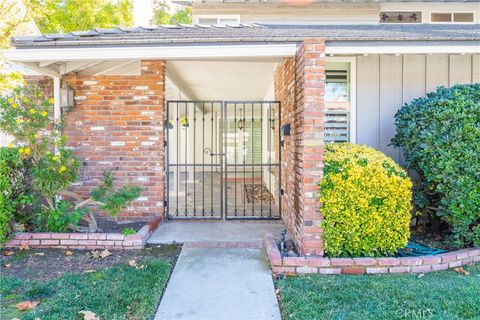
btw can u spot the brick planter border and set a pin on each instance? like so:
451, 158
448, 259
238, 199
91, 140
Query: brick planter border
76, 240
324, 265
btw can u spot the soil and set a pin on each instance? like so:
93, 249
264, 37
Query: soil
431, 240
112, 226
45, 264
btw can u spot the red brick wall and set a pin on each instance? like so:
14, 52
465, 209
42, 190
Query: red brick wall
117, 124
299, 85
45, 84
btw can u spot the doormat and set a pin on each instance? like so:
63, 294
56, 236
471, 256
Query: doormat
257, 193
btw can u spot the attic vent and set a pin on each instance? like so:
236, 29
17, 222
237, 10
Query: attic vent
400, 17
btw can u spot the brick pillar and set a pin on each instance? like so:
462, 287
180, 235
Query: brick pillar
310, 86
299, 85
117, 124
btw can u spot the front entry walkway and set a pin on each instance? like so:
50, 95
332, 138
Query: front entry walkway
220, 283
230, 231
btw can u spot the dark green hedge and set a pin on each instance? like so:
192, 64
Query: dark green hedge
440, 136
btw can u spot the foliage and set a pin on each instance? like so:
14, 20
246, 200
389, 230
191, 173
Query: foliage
365, 200
52, 167
182, 16
114, 201
434, 296
54, 16
12, 21
6, 207
16, 198
120, 292
55, 172
25, 114
128, 231
61, 217
440, 136
162, 15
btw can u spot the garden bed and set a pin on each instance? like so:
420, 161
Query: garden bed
121, 285
76, 240
325, 265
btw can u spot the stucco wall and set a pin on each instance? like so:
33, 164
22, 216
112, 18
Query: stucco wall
386, 82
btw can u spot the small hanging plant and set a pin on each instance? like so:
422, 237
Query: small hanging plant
184, 122
170, 125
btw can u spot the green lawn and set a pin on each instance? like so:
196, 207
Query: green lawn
442, 295
119, 292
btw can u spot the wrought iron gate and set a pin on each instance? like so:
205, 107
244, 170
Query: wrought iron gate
223, 159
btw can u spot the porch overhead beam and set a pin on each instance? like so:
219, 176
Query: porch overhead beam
117, 66
47, 71
169, 53
179, 83
46, 63
401, 47
71, 66
100, 67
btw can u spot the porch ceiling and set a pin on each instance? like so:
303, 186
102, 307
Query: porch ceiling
223, 80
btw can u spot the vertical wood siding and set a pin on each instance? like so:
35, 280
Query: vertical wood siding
386, 82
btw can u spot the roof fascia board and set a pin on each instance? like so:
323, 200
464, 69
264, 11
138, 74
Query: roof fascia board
402, 47
170, 52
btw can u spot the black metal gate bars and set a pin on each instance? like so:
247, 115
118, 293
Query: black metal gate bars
223, 159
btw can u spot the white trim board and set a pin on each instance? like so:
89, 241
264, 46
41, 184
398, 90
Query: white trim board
168, 53
402, 47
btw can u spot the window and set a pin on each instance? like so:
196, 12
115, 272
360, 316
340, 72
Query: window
339, 100
207, 21
219, 20
400, 17
463, 17
452, 17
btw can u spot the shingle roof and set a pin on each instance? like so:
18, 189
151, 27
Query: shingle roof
183, 34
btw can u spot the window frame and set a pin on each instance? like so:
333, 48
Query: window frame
353, 92
452, 16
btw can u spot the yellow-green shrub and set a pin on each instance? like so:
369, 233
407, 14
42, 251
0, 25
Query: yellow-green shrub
366, 202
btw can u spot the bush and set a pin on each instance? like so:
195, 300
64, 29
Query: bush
366, 202
440, 136
61, 217
6, 208
15, 196
50, 169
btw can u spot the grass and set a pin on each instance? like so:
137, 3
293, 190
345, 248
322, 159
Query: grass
120, 292
441, 295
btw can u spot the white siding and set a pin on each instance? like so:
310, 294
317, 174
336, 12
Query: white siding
385, 83
331, 13
292, 14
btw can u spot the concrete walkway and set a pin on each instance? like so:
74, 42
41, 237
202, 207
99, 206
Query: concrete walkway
229, 231
220, 283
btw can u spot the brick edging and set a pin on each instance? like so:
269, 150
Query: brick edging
76, 240
324, 265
